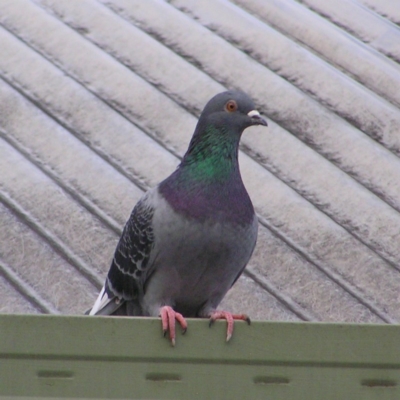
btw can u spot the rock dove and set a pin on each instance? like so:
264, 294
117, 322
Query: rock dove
188, 239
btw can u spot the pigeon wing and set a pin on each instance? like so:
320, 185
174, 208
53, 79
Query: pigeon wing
129, 267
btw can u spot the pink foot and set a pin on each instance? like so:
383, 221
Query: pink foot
230, 318
168, 317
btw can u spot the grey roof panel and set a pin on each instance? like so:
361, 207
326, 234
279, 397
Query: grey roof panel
314, 76
61, 156
65, 219
388, 8
13, 302
100, 98
378, 32
37, 271
342, 50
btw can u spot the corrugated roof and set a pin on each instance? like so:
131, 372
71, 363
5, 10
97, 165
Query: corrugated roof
100, 98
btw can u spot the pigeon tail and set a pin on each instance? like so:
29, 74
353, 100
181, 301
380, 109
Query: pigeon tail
105, 305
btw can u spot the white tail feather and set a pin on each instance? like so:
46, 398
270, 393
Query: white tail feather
101, 301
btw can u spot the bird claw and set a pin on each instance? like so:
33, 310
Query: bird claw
168, 317
230, 318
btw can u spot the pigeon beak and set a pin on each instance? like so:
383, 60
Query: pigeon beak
256, 118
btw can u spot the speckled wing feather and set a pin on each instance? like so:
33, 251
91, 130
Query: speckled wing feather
128, 269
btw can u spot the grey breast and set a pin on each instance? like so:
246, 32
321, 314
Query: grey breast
194, 263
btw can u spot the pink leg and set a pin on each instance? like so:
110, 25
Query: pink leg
230, 318
168, 317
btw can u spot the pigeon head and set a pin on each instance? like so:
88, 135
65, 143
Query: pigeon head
221, 125
207, 183
233, 110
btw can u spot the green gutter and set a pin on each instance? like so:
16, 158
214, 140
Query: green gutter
114, 358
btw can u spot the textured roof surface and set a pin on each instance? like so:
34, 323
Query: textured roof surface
98, 100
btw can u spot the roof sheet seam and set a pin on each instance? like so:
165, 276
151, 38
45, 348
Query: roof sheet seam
53, 240
348, 29
178, 100
115, 105
335, 277
335, 64
286, 300
74, 193
26, 290
135, 178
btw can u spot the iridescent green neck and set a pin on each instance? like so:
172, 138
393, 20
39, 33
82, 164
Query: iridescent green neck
211, 158
207, 184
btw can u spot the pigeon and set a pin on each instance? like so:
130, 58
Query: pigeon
188, 239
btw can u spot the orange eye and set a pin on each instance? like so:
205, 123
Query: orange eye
231, 106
